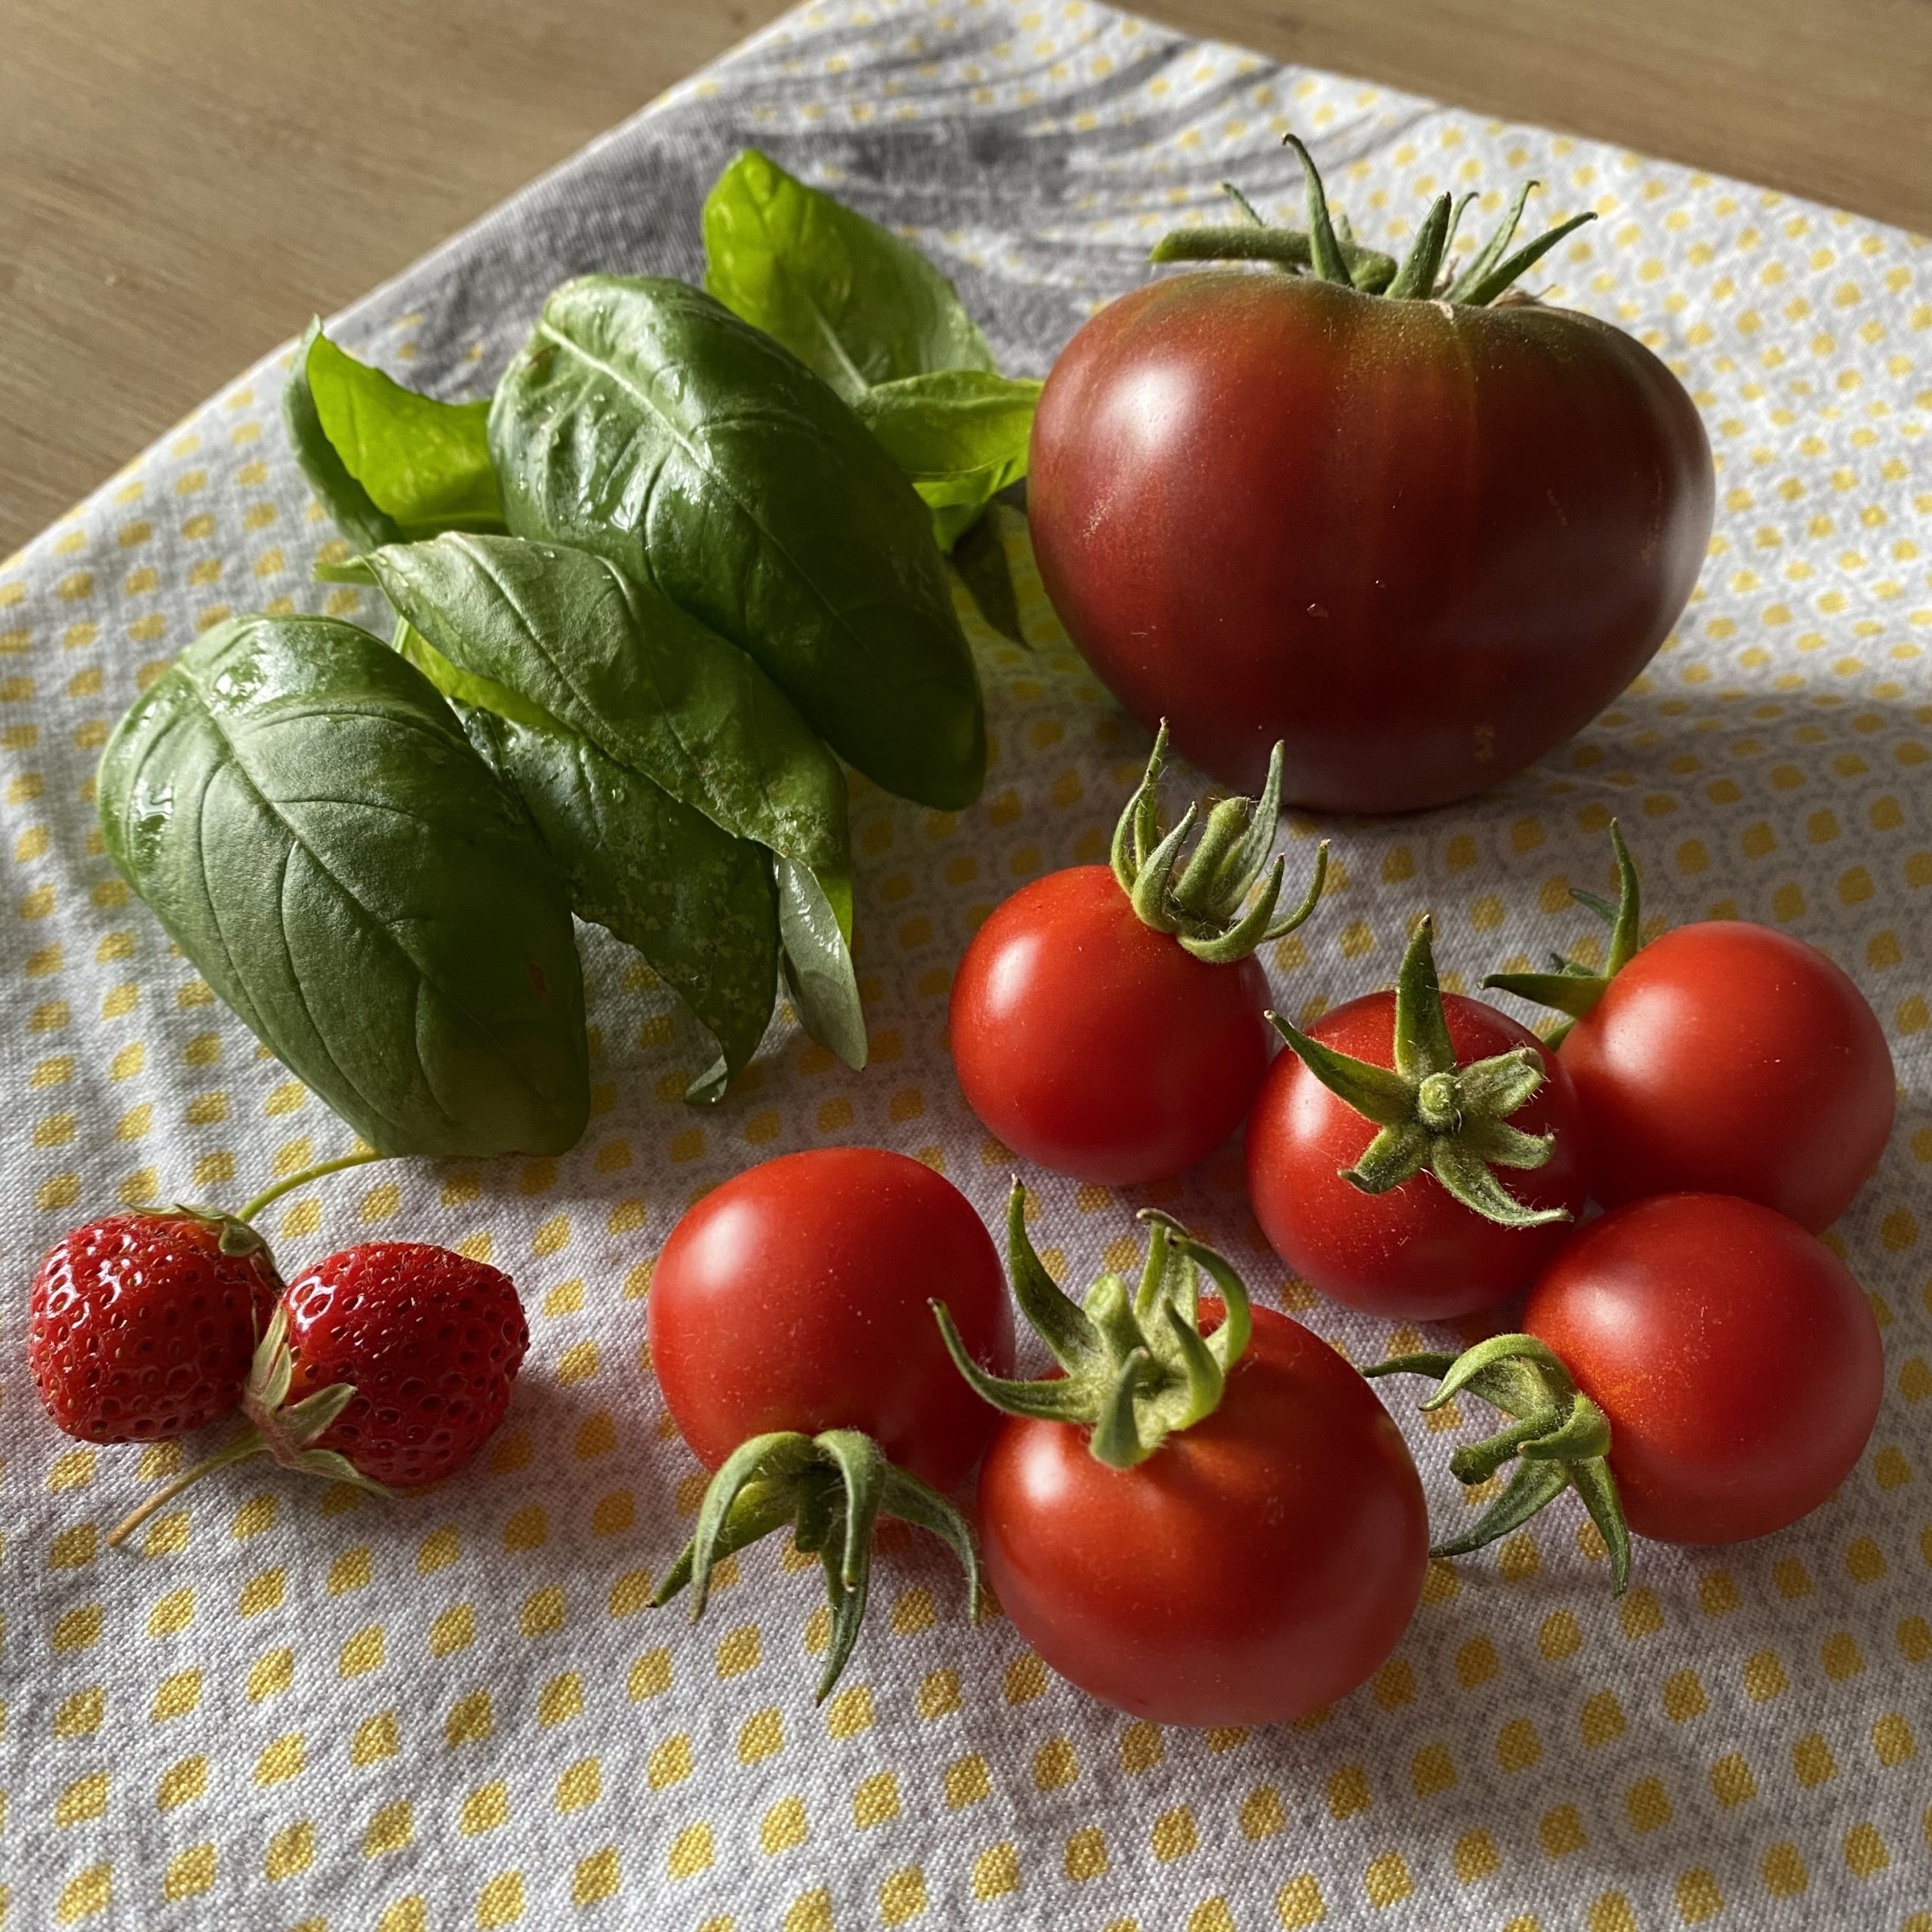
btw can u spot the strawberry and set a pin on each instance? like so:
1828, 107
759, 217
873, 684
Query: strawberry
141, 1326
430, 1340
386, 1366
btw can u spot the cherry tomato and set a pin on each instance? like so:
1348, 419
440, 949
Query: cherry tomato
1097, 1046
1727, 1058
1257, 1566
1421, 542
795, 1297
1737, 1360
1414, 1254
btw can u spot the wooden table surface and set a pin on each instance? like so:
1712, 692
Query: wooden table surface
182, 183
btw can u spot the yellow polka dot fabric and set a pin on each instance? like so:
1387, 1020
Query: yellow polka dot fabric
291, 1706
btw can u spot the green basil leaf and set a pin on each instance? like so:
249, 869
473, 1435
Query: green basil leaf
960, 434
818, 962
387, 463
854, 302
698, 904
303, 814
548, 636
980, 557
570, 635
465, 687
644, 422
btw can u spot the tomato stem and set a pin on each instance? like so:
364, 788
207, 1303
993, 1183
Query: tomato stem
1571, 987
831, 1489
1135, 1367
1328, 262
1560, 1438
1433, 1113
1205, 903
1327, 251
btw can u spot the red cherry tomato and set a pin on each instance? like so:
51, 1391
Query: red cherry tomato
1414, 1254
1257, 1566
1420, 542
1726, 1058
1736, 1359
1098, 1047
795, 1297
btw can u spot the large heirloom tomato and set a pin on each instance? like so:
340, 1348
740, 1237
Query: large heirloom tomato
1419, 540
1206, 1517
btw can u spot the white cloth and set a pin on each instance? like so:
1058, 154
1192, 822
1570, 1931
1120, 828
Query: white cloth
298, 1709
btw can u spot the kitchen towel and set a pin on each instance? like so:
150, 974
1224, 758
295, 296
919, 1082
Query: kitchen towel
293, 1706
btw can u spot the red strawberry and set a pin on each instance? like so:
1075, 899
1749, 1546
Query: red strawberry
386, 1365
141, 1326
429, 1341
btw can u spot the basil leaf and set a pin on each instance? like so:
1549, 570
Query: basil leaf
466, 688
547, 635
980, 557
959, 434
698, 904
854, 302
387, 463
646, 423
569, 633
301, 811
818, 963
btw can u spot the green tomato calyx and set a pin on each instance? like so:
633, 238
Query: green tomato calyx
1453, 1120
1560, 1438
1574, 988
1135, 1367
830, 1489
1327, 251
1204, 903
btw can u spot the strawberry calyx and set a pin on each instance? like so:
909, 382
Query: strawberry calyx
830, 1489
287, 1431
1570, 986
1327, 251
1203, 903
1135, 1367
1560, 1438
235, 1238
1454, 1120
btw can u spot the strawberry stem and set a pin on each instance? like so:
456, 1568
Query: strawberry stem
269, 1195
249, 1443
275, 1426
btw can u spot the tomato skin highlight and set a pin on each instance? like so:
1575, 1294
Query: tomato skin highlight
1258, 1565
1414, 1254
795, 1297
1421, 544
1727, 1058
1737, 1360
1095, 1045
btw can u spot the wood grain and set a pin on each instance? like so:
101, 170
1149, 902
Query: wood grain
185, 181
